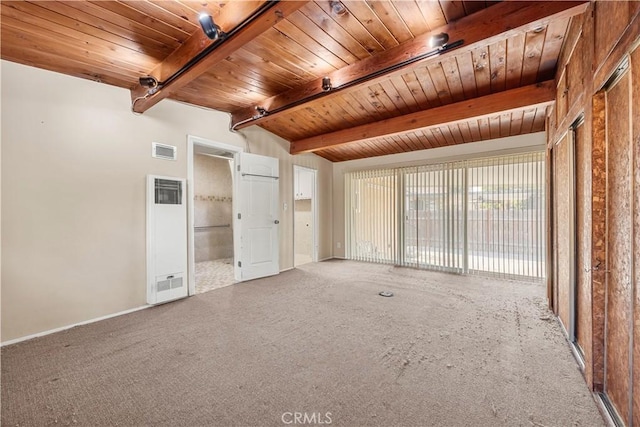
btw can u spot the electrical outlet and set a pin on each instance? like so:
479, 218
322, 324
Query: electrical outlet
339, 245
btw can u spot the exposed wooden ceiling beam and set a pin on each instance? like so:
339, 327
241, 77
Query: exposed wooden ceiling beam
535, 95
230, 16
485, 27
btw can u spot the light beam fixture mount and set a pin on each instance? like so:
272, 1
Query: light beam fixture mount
326, 84
439, 40
210, 28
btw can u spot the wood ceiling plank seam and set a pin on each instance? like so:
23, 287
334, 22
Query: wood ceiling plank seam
515, 60
396, 145
456, 133
554, 38
295, 126
446, 133
360, 97
378, 93
300, 53
162, 15
353, 26
497, 61
474, 129
485, 131
183, 11
413, 141
215, 8
440, 83
403, 91
453, 10
196, 91
505, 124
150, 22
278, 55
348, 108
390, 18
220, 91
347, 151
424, 139
404, 143
90, 21
467, 75
375, 146
418, 141
55, 12
136, 28
432, 13
273, 72
516, 123
311, 29
33, 37
202, 101
336, 111
532, 54
494, 127
355, 105
482, 70
305, 119
415, 88
330, 116
326, 154
334, 30
527, 120
465, 131
31, 57
427, 85
439, 137
371, 21
228, 85
317, 119
430, 137
394, 96
295, 33
412, 16
272, 82
250, 77
92, 46
453, 76
539, 120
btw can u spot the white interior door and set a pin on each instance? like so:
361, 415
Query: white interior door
258, 218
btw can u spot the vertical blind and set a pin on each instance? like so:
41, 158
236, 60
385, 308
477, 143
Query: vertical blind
481, 216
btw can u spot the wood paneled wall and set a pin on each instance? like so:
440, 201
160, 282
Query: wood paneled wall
598, 80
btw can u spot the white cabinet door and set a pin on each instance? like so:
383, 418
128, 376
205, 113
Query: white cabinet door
258, 211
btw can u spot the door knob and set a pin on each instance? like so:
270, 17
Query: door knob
276, 222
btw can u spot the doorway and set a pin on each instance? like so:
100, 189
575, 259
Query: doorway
304, 215
212, 242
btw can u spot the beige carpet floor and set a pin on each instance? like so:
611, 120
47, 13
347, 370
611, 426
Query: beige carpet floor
318, 341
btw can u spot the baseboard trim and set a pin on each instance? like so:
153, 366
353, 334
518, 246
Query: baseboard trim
64, 328
287, 269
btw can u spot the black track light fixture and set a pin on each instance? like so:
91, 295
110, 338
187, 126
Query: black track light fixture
210, 28
326, 84
439, 40
148, 81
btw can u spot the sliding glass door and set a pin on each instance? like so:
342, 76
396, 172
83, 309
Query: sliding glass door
475, 216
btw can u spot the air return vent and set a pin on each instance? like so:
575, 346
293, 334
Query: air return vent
162, 151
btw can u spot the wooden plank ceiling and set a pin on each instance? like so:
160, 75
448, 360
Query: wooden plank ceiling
277, 62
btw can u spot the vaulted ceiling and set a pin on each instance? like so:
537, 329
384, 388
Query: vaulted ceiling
390, 90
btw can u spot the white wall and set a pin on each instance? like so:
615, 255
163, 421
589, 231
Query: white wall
74, 162
507, 145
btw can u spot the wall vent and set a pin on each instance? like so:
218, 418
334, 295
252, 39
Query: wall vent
162, 151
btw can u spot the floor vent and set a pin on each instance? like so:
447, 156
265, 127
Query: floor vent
162, 151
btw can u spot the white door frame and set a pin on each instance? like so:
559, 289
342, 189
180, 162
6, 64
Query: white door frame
192, 141
314, 212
